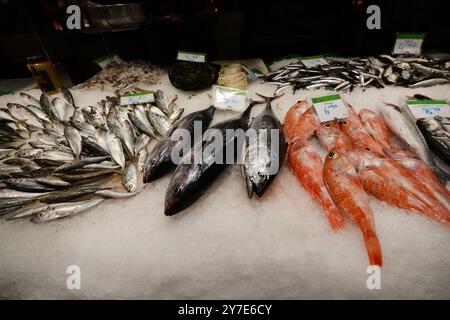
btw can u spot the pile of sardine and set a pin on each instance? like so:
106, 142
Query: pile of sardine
342, 74
58, 159
118, 75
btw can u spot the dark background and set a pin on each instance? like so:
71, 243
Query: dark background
224, 29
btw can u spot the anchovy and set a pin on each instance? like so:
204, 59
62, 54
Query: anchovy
74, 139
47, 106
140, 121
86, 176
52, 182
29, 99
129, 138
76, 164
68, 96
161, 102
27, 185
63, 211
130, 177
383, 70
116, 194
115, 148
70, 194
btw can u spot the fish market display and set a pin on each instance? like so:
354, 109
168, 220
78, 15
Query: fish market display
191, 179
344, 74
262, 157
70, 157
363, 158
119, 75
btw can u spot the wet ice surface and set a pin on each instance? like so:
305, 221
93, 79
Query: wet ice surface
225, 245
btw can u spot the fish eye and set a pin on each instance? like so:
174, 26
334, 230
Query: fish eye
332, 155
328, 125
367, 149
344, 122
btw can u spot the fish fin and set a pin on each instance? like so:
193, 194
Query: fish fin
268, 100
373, 248
335, 218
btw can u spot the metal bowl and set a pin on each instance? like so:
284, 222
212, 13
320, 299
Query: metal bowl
119, 15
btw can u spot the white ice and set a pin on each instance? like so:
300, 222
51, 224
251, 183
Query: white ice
226, 245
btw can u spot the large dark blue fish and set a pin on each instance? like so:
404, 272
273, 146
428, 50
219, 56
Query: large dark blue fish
159, 162
191, 180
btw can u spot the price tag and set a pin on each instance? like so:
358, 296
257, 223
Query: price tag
137, 98
103, 61
229, 98
330, 108
191, 56
252, 73
313, 61
429, 108
409, 43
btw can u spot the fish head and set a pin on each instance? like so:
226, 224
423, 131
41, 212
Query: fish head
429, 124
298, 108
367, 115
330, 135
338, 162
95, 112
43, 216
184, 188
130, 186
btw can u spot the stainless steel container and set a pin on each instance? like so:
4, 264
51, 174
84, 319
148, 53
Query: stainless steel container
119, 15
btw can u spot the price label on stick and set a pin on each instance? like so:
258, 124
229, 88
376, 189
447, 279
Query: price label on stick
330, 108
137, 98
229, 98
103, 61
429, 108
313, 61
191, 56
407, 43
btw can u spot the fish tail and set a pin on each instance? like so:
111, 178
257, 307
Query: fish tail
373, 248
268, 100
245, 116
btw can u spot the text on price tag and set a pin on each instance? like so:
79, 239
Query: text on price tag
313, 61
429, 108
330, 108
103, 61
191, 56
137, 98
408, 43
229, 98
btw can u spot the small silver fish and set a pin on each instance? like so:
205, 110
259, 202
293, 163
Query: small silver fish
66, 210
130, 177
